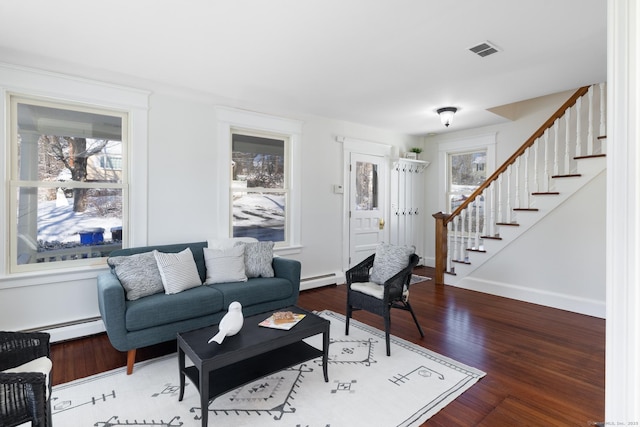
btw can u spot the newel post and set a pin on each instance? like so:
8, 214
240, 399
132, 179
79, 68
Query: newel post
441, 246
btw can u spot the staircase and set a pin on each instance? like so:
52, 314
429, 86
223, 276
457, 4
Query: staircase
562, 156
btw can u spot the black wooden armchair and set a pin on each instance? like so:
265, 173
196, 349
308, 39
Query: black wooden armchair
24, 396
362, 294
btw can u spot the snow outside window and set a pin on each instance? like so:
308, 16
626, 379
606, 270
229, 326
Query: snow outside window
466, 172
68, 184
259, 186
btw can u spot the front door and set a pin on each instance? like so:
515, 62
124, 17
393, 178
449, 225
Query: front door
367, 205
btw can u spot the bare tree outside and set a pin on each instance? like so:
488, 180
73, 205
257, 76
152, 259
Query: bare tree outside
73, 154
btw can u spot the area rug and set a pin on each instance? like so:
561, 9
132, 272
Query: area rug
417, 279
365, 388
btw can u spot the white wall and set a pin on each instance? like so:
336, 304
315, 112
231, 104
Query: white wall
182, 198
561, 261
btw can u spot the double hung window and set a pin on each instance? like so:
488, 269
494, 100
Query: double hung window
68, 192
259, 186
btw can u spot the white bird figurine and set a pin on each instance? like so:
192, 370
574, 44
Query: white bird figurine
230, 324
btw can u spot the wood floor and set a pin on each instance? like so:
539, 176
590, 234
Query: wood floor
545, 367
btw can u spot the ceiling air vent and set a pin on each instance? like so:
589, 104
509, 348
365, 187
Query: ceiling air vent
484, 49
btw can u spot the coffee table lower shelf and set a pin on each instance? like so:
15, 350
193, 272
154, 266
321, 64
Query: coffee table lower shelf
230, 377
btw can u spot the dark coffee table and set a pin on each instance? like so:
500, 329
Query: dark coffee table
253, 353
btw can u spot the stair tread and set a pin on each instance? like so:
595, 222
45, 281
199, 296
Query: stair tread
547, 193
514, 224
571, 175
526, 209
491, 237
591, 156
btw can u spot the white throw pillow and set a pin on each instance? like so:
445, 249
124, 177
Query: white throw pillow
42, 364
389, 261
178, 271
225, 265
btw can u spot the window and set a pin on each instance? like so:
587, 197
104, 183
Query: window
466, 173
259, 186
68, 185
464, 164
259, 160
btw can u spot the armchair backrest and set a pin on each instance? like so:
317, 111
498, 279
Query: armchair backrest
401, 281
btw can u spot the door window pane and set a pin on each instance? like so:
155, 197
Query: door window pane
366, 186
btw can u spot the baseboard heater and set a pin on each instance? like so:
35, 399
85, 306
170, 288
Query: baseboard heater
71, 330
322, 280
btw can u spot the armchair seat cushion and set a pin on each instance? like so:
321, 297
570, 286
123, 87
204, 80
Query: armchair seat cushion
375, 290
162, 309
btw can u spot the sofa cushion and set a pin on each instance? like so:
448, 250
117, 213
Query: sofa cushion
178, 271
138, 274
161, 309
225, 265
255, 291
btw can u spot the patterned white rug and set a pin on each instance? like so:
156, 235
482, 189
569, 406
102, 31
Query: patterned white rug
417, 279
365, 388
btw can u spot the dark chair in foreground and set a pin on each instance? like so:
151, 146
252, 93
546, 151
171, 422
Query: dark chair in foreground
24, 394
362, 294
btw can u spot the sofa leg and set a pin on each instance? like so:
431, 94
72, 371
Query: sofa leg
131, 359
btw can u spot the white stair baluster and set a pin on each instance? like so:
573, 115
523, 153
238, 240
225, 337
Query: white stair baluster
469, 210
450, 246
458, 236
556, 125
508, 194
546, 159
590, 125
477, 203
517, 183
567, 139
536, 181
500, 198
483, 232
526, 177
491, 230
603, 116
578, 127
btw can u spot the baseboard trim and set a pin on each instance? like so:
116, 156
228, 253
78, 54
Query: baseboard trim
322, 280
560, 301
81, 328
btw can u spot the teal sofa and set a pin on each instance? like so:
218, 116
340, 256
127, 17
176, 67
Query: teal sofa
152, 319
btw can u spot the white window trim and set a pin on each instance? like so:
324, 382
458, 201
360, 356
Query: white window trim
475, 143
229, 119
62, 88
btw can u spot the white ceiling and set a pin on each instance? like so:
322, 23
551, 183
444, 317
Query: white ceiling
384, 63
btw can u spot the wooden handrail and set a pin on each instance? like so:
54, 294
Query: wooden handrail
528, 143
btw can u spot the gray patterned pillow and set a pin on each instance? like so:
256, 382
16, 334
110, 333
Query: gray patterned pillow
258, 257
138, 274
178, 271
389, 260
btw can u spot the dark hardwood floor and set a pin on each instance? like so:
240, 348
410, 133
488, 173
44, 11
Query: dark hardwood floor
545, 367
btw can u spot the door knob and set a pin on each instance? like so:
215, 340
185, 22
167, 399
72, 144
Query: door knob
381, 223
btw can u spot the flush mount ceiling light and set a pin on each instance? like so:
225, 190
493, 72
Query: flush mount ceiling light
446, 115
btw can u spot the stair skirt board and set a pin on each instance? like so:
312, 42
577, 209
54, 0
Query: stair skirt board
589, 307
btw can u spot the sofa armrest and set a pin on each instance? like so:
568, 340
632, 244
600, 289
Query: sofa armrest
111, 301
288, 269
